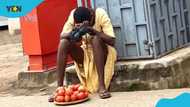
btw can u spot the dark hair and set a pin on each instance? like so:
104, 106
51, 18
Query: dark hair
82, 14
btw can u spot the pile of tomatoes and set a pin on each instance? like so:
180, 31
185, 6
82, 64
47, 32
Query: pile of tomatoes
71, 93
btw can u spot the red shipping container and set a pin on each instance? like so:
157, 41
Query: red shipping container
41, 30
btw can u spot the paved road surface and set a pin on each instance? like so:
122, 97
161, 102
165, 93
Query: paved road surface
119, 99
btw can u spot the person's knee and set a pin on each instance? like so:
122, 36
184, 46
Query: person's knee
64, 43
98, 43
96, 40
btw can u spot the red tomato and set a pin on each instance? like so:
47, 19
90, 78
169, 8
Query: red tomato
69, 91
67, 98
75, 92
80, 95
86, 94
61, 92
55, 95
81, 89
59, 88
76, 86
71, 87
73, 97
60, 98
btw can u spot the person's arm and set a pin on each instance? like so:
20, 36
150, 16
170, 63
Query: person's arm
68, 26
65, 36
107, 33
106, 38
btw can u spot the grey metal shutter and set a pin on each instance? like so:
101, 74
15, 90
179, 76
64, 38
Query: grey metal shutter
130, 22
170, 24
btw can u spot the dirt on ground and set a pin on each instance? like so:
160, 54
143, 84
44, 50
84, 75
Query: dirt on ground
11, 58
13, 61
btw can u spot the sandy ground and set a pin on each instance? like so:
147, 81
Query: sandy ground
11, 58
118, 99
13, 61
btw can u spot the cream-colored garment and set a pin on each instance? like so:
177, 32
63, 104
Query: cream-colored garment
87, 72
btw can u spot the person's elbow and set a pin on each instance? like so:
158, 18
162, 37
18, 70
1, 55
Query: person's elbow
65, 36
112, 42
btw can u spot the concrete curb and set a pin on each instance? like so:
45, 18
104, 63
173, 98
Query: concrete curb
170, 71
36, 79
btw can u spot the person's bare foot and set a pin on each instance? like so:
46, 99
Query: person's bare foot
103, 94
51, 98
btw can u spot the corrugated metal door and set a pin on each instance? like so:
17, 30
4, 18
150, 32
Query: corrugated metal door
170, 24
130, 22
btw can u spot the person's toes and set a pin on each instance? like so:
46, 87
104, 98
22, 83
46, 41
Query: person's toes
104, 94
51, 99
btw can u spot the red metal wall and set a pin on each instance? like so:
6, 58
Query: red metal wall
41, 30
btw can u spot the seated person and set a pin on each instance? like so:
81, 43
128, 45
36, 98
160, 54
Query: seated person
93, 52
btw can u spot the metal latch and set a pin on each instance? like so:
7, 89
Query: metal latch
147, 44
